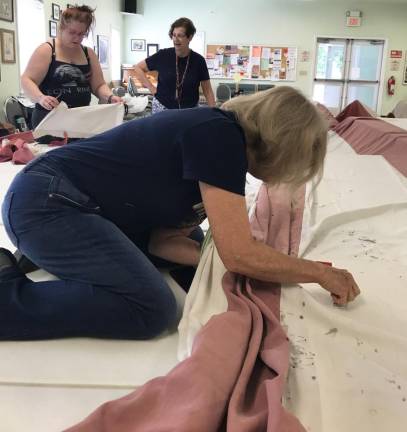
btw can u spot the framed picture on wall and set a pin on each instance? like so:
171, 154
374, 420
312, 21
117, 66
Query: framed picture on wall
52, 29
405, 73
6, 10
103, 51
56, 12
152, 49
138, 44
8, 46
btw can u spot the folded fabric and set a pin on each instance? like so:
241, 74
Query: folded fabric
355, 109
81, 122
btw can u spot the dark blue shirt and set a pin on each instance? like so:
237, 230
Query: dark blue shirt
164, 63
145, 173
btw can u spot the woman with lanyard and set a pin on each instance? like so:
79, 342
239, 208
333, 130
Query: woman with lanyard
64, 70
180, 72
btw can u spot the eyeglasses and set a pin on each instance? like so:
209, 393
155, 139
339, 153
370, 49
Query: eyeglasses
179, 35
74, 33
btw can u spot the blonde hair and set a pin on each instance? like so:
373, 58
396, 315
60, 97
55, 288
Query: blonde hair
286, 136
83, 14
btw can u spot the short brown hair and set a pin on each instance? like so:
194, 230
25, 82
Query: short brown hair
285, 134
83, 14
188, 25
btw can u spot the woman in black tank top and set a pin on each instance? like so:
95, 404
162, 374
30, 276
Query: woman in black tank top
64, 70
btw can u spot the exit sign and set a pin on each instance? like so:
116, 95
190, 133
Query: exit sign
396, 54
353, 21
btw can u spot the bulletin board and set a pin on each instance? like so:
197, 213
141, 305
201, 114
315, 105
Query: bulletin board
252, 62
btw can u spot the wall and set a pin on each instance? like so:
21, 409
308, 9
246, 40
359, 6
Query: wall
9, 72
288, 22
107, 16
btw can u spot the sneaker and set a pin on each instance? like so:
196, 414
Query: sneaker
23, 263
7, 259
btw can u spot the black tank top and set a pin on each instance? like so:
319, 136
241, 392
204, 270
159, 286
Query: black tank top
67, 82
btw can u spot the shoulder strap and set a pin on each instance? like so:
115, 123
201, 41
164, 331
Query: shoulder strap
85, 50
52, 48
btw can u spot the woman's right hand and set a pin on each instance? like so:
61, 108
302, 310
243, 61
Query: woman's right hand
48, 102
341, 284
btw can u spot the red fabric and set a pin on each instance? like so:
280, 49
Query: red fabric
235, 377
26, 136
377, 137
354, 109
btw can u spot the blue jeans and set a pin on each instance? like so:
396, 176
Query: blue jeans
108, 287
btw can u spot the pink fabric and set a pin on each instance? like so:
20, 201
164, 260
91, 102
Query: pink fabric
374, 136
354, 109
235, 377
16, 151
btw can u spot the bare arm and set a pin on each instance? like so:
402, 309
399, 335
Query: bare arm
97, 82
208, 92
140, 70
35, 73
241, 253
175, 245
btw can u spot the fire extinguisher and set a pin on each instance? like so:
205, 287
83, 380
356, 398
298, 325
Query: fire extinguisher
391, 83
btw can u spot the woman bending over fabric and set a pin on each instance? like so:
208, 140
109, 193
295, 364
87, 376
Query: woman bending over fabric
65, 70
92, 213
180, 71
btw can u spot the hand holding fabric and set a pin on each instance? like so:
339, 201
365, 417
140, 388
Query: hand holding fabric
48, 102
341, 284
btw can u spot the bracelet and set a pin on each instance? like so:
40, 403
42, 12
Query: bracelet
109, 99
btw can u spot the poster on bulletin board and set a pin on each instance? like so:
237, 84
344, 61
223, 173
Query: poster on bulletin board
252, 62
224, 61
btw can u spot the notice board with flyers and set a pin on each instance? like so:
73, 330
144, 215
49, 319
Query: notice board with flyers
261, 62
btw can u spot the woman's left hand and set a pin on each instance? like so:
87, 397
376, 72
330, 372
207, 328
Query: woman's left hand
116, 99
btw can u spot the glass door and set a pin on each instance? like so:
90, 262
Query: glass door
347, 69
330, 73
364, 72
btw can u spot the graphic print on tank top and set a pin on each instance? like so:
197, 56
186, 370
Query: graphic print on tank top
71, 80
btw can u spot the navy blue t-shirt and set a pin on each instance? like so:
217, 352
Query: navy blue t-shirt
144, 173
164, 62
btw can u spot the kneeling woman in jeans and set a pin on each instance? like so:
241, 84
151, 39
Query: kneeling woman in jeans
89, 211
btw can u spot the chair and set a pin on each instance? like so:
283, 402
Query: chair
223, 93
16, 113
400, 110
131, 87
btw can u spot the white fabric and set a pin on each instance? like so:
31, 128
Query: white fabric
206, 297
348, 370
399, 122
81, 122
135, 104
